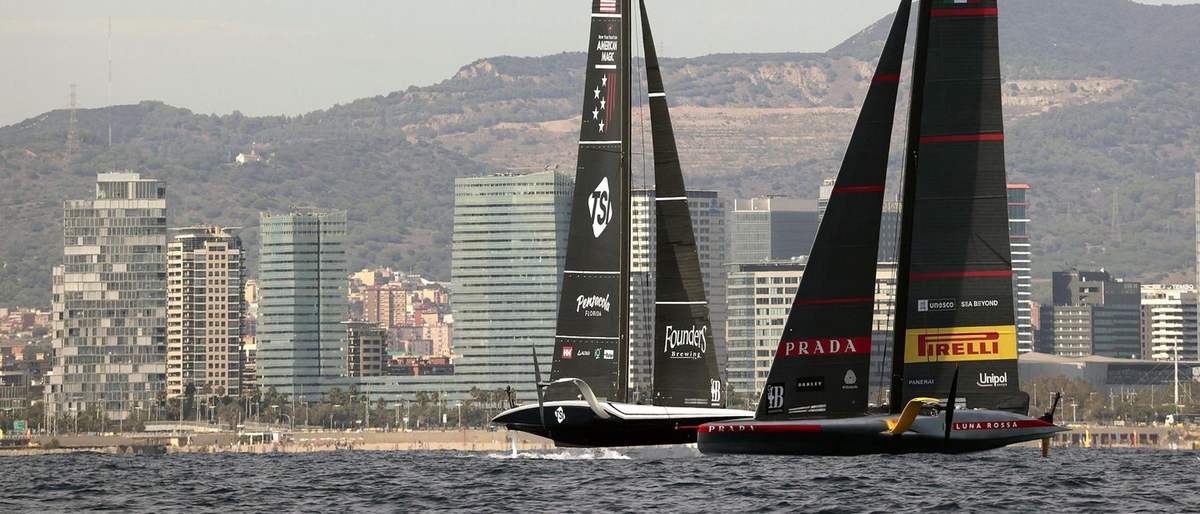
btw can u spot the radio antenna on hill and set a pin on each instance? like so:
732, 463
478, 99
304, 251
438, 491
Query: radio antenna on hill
110, 102
1116, 224
72, 136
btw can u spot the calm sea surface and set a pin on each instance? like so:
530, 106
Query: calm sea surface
663, 480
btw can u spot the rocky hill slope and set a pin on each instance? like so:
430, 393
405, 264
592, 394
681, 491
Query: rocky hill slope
1101, 96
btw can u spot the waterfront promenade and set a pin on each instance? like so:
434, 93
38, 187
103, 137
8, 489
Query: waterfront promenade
284, 440
268, 441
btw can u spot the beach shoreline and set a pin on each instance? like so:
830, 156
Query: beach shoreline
284, 441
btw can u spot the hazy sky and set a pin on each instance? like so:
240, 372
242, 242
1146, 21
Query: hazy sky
294, 56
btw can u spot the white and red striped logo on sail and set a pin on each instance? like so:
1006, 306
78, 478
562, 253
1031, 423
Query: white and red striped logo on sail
608, 6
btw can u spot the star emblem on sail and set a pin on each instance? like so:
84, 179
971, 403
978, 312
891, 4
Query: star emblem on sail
606, 95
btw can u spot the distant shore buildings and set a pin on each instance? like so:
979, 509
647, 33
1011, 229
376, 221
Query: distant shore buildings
139, 318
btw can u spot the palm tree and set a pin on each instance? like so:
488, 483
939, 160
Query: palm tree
498, 396
337, 397
231, 414
477, 394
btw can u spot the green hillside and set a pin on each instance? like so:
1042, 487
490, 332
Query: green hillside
1103, 119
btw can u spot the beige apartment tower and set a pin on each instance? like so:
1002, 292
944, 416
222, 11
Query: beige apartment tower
205, 311
386, 304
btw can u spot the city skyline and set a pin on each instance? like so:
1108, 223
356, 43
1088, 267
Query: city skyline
281, 255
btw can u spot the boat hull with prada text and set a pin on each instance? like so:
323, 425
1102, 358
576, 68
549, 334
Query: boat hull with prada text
972, 430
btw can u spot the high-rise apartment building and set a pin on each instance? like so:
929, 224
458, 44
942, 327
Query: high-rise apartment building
110, 300
1169, 322
708, 225
771, 228
386, 304
1022, 264
440, 335
302, 282
366, 345
760, 299
510, 233
250, 294
1093, 314
206, 311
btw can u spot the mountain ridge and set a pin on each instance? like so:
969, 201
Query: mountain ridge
1088, 130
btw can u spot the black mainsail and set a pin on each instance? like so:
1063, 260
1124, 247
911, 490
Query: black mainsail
592, 335
685, 363
821, 365
954, 274
954, 288
585, 403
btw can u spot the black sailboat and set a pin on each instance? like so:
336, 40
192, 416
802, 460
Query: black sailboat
954, 274
585, 401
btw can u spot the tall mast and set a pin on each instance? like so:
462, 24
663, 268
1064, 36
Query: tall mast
908, 197
685, 371
1177, 377
626, 50
592, 335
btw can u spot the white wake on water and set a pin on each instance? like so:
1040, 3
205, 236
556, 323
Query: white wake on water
565, 454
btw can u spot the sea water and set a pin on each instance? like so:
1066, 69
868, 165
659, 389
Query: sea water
674, 479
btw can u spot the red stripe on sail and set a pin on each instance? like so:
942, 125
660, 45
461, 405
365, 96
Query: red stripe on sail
963, 138
886, 78
832, 300
611, 101
961, 274
986, 11
858, 189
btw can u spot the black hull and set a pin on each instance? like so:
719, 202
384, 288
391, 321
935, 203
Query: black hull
869, 436
876, 444
627, 425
